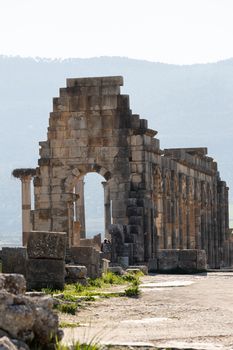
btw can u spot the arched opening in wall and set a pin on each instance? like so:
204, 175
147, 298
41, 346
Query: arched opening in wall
92, 210
94, 205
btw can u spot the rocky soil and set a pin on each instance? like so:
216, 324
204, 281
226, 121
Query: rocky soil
178, 311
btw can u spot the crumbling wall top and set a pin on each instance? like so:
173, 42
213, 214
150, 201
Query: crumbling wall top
96, 81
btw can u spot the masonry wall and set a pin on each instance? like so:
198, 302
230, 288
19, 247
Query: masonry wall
171, 199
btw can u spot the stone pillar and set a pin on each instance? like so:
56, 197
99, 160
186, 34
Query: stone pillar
107, 209
80, 206
173, 220
165, 238
25, 175
26, 207
181, 239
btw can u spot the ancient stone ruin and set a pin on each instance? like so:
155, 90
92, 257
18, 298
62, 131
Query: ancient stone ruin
166, 208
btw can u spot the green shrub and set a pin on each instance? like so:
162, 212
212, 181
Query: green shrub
132, 291
112, 278
79, 287
97, 282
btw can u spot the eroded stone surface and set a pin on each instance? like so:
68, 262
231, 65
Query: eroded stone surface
74, 273
46, 245
24, 319
13, 283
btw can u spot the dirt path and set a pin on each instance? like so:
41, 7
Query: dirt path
173, 310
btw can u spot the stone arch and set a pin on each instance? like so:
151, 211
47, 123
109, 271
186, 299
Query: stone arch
76, 173
90, 130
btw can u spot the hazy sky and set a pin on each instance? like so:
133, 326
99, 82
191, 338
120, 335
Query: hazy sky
173, 31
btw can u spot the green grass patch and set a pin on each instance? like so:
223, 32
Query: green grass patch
132, 291
70, 308
69, 324
74, 294
79, 346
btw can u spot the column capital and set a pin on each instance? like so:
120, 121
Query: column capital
24, 174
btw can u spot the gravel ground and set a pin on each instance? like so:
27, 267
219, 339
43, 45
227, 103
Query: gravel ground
179, 311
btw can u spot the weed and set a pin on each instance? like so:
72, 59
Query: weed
70, 308
132, 291
69, 324
79, 287
79, 346
112, 278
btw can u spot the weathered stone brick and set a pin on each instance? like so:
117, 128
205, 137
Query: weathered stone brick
46, 245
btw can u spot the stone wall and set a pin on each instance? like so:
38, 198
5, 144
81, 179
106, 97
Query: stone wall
161, 199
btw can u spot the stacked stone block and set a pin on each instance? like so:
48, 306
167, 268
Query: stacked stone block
89, 257
45, 266
76, 274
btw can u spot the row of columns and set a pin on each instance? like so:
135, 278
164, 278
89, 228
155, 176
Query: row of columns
193, 219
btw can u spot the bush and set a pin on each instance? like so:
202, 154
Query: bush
112, 278
132, 291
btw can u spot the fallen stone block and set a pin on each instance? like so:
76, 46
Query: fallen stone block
142, 268
74, 273
89, 257
192, 260
45, 273
116, 269
167, 260
46, 245
14, 260
85, 255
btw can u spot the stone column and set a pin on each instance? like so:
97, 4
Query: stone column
173, 221
25, 175
80, 206
165, 222
181, 239
107, 209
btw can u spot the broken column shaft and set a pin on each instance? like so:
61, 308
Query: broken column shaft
80, 206
107, 209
